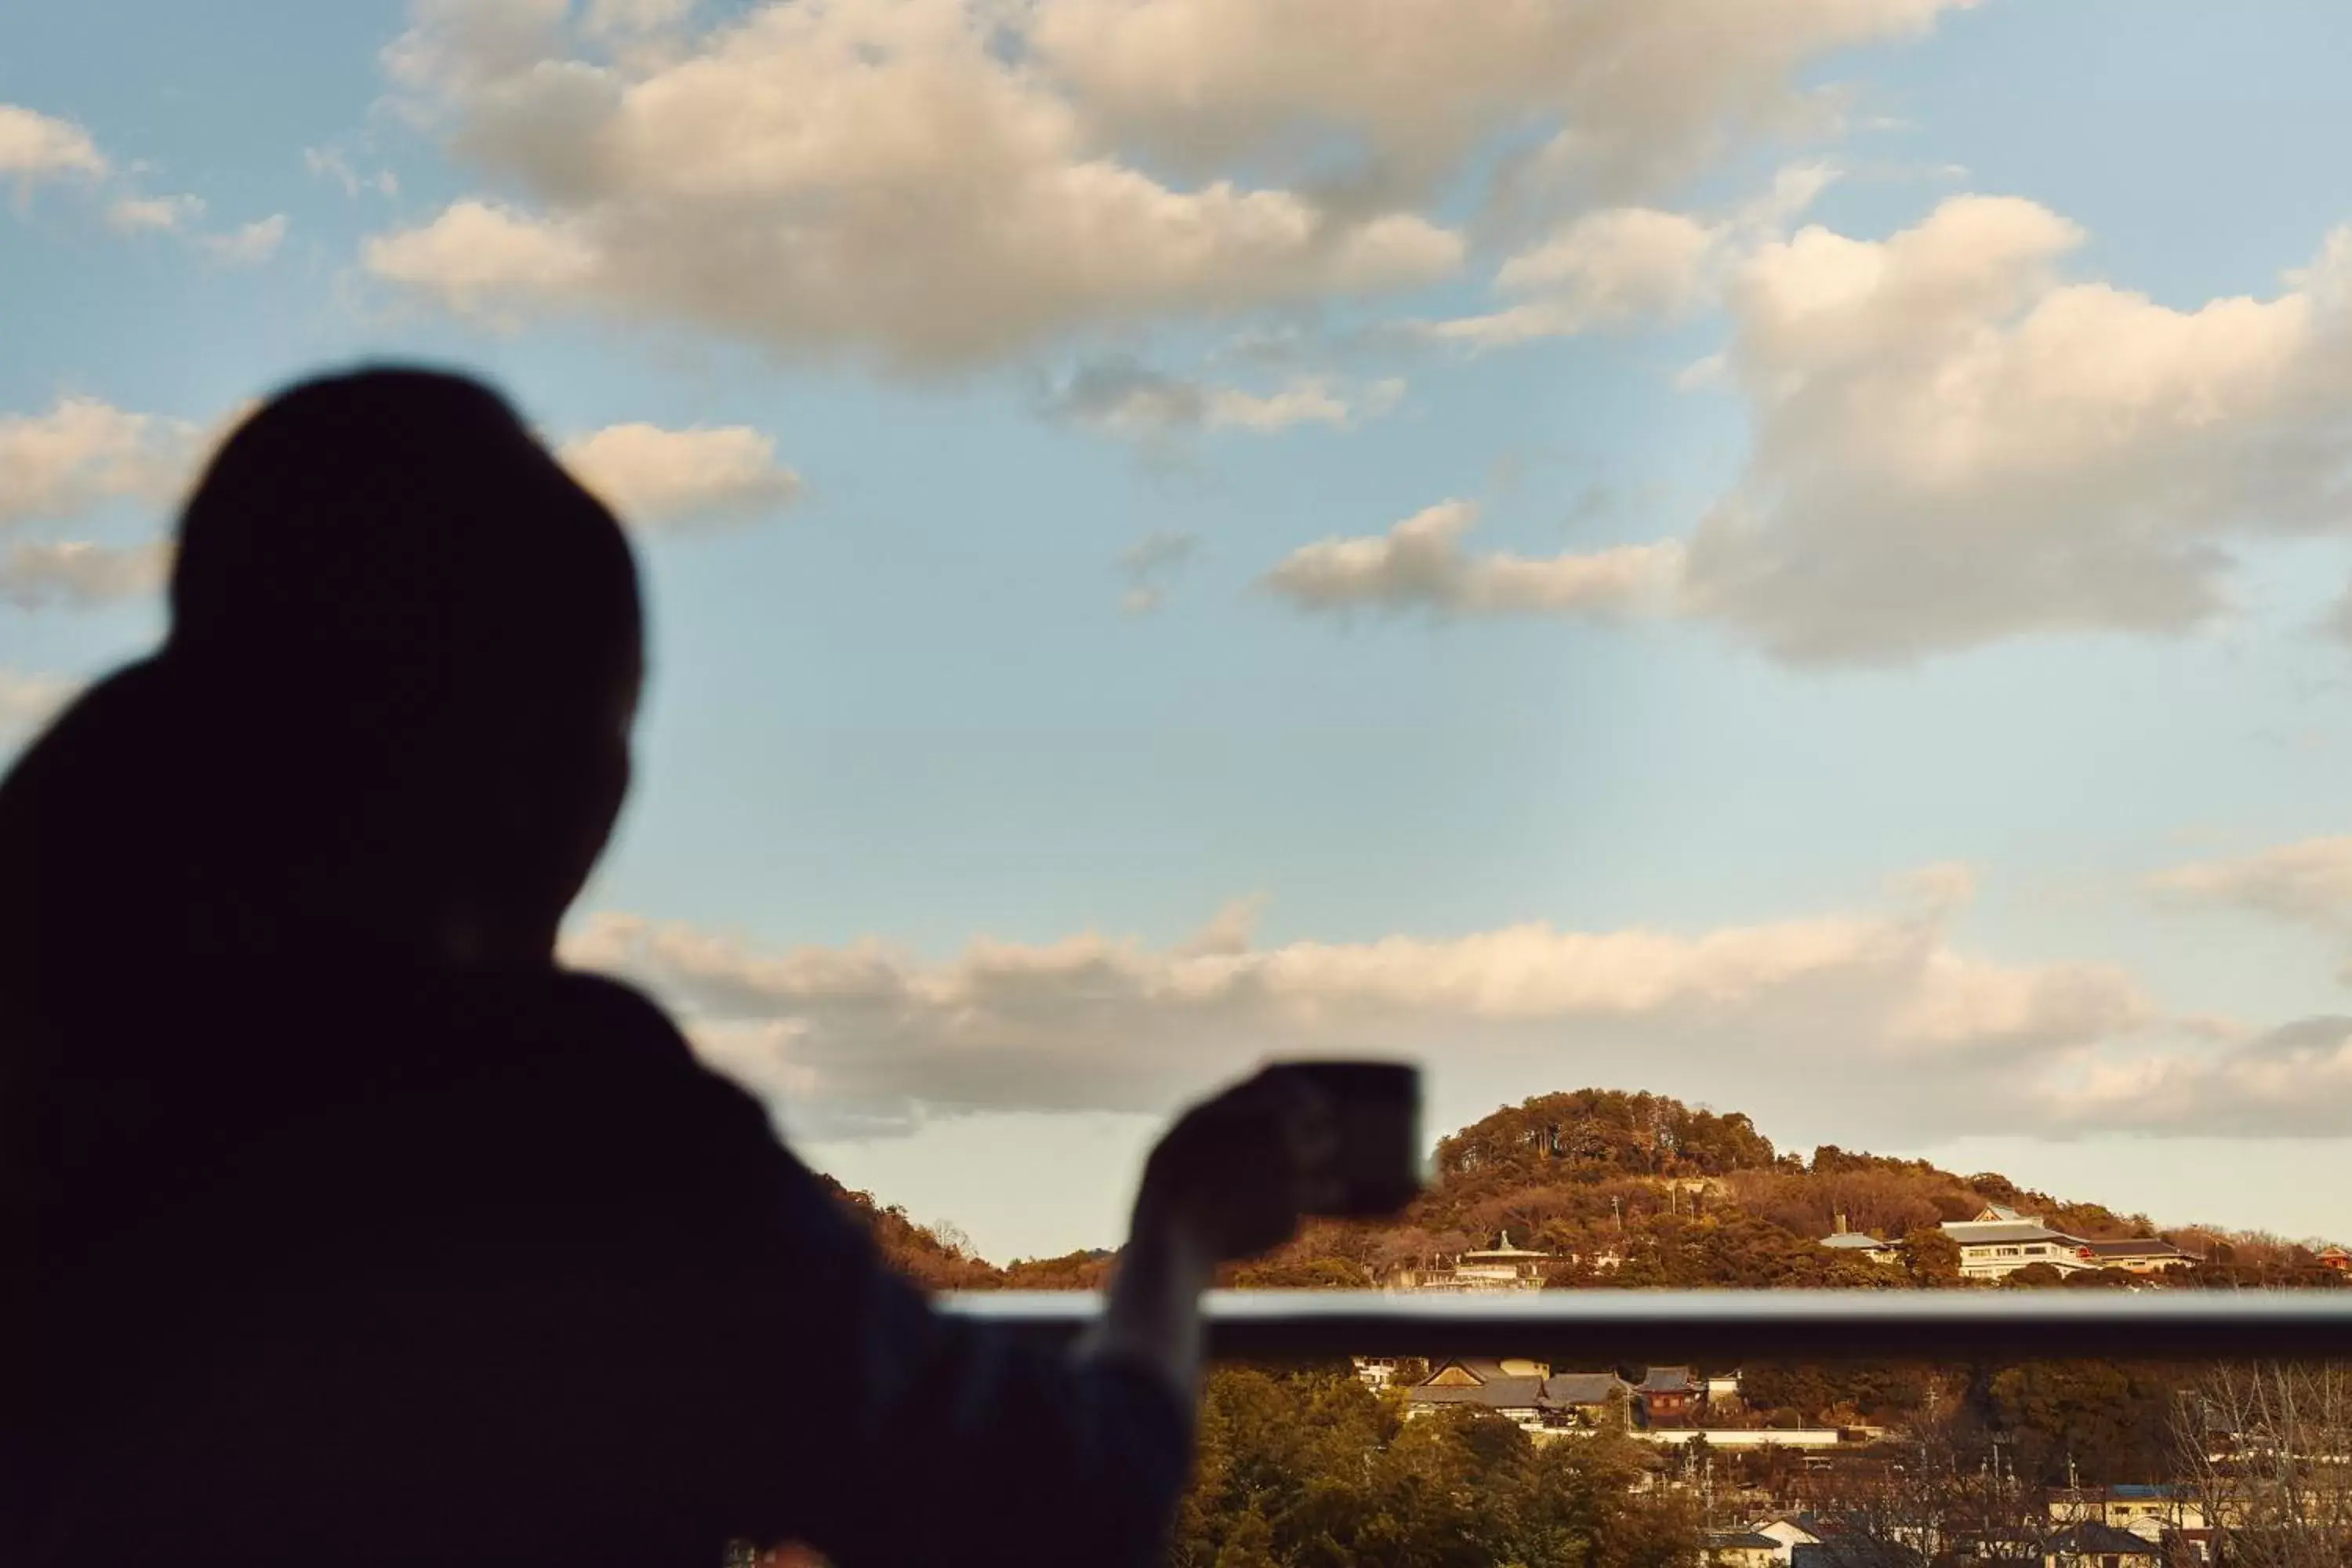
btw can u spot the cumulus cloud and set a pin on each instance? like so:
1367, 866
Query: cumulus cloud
888, 180
80, 575
1127, 397
1629, 93
166, 215
248, 246
1421, 564
27, 701
36, 146
2307, 883
1149, 563
2293, 1081
477, 256
84, 453
1955, 443
1758, 1013
1622, 266
682, 481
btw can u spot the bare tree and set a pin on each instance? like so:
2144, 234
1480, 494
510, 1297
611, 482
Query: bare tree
2267, 1449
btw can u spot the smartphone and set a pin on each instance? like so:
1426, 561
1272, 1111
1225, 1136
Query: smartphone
1379, 1162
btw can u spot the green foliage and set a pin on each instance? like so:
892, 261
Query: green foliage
1648, 1133
1931, 1258
2114, 1419
1305, 1468
1738, 1250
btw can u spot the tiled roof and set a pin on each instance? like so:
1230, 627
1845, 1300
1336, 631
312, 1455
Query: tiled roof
1852, 1552
1494, 1394
1668, 1380
1582, 1387
1979, 1233
1853, 1240
1743, 1537
2093, 1537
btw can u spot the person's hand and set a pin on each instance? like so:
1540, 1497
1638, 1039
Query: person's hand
1232, 1178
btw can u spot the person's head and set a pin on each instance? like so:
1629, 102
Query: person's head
425, 637
392, 706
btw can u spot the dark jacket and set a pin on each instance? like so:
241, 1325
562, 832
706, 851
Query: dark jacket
371, 1266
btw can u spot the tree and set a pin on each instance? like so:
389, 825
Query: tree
1930, 1257
1305, 1469
2268, 1448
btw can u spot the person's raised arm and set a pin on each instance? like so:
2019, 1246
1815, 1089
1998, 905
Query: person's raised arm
1230, 1180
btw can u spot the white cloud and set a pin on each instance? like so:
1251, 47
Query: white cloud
1622, 266
1631, 93
84, 453
1149, 563
1420, 564
1127, 397
163, 215
2293, 1081
878, 178
2307, 883
480, 254
81, 575
35, 146
179, 214
1876, 1013
246, 246
1955, 443
333, 164
674, 480
633, 16
28, 701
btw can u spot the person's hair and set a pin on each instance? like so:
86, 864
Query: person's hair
398, 630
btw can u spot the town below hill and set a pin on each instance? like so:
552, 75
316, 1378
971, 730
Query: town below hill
1559, 1458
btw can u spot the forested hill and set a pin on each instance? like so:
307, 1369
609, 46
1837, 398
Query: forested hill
1630, 1190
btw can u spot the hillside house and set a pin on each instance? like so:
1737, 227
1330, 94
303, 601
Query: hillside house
2148, 1255
1861, 1244
1999, 1241
2336, 1258
1501, 1267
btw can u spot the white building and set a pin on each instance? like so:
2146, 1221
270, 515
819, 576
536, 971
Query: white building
2000, 1241
1499, 1267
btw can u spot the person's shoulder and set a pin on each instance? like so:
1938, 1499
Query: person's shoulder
613, 1012
609, 1029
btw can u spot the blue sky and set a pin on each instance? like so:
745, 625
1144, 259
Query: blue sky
1876, 668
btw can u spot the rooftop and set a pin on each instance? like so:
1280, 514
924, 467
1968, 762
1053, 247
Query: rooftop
1980, 1233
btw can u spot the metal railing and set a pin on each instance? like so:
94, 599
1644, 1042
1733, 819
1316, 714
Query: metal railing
1670, 1326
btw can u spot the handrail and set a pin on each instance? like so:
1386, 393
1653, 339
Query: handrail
1726, 1325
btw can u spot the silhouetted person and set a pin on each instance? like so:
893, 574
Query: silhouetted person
343, 1225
